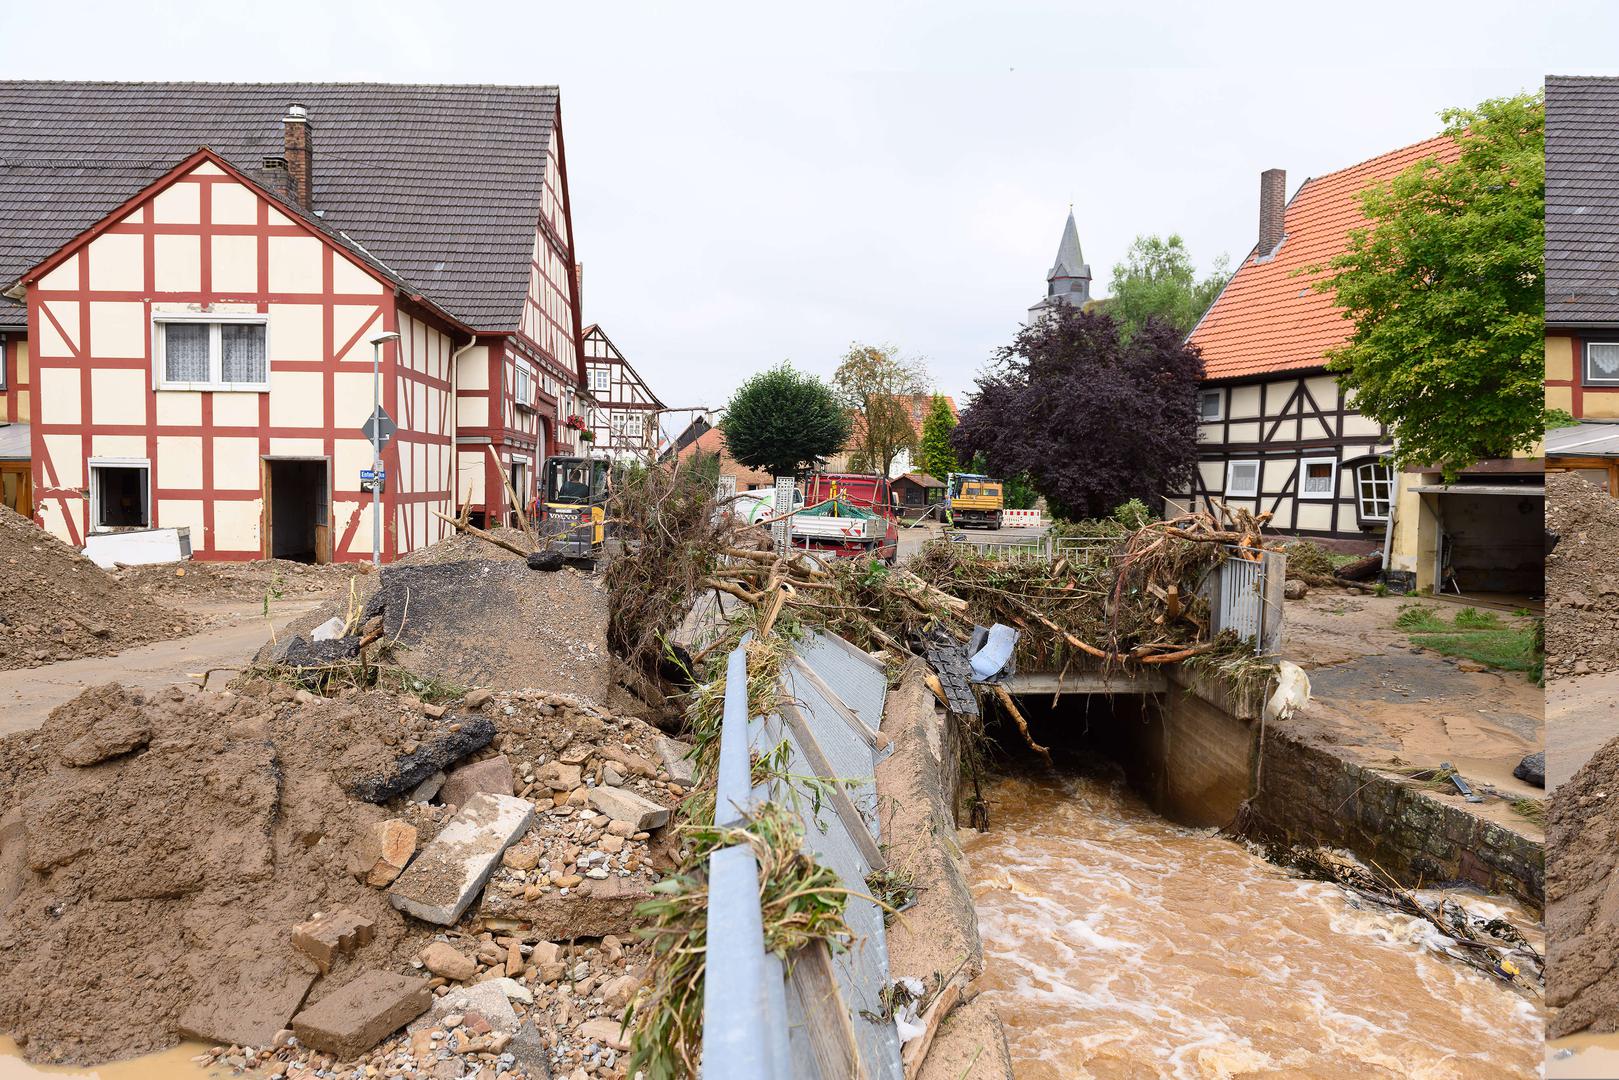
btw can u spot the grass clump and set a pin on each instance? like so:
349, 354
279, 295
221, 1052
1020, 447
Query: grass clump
802, 903
1480, 636
1531, 810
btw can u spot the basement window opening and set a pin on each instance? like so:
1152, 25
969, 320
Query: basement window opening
120, 496
212, 354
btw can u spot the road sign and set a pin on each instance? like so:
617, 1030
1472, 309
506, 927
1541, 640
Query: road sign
379, 428
373, 479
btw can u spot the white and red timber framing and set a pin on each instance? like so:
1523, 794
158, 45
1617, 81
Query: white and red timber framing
213, 244
627, 413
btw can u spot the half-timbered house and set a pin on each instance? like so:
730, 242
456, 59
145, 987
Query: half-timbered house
627, 412
195, 275
1279, 434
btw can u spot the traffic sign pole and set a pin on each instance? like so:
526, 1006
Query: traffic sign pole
379, 435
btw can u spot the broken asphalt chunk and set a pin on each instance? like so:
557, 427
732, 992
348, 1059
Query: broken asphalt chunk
436, 756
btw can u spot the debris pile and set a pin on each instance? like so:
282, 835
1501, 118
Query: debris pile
1582, 833
467, 621
58, 605
1582, 577
244, 872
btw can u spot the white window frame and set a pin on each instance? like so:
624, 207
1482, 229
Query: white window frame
1360, 490
600, 378
95, 526
1586, 378
5, 365
523, 375
216, 353
1332, 478
1230, 470
1219, 406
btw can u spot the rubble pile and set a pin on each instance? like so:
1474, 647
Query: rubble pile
474, 621
246, 880
1582, 829
58, 605
1582, 577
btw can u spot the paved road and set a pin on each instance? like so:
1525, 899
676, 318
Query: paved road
27, 695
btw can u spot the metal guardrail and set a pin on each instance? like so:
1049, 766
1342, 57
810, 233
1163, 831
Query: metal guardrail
760, 1020
1043, 548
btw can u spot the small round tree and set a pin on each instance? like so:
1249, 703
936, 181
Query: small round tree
781, 420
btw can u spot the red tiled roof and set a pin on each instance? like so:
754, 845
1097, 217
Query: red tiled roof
712, 441
1269, 318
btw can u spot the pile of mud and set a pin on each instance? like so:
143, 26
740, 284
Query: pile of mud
157, 849
58, 605
278, 579
478, 616
1582, 897
1582, 577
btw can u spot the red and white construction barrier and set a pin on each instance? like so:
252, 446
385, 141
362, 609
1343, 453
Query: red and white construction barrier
1020, 518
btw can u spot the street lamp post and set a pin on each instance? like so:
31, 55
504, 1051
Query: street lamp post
376, 443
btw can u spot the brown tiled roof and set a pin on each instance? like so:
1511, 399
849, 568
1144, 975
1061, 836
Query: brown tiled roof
1268, 318
712, 441
1582, 200
440, 184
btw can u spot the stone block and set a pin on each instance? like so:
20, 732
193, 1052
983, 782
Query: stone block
381, 853
328, 936
682, 770
350, 1021
627, 806
446, 877
492, 775
444, 959
592, 909
558, 776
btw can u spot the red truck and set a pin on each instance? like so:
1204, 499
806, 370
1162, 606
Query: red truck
847, 514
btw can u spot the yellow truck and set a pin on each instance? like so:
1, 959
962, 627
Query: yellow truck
974, 499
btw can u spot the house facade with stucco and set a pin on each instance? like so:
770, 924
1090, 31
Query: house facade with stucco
190, 328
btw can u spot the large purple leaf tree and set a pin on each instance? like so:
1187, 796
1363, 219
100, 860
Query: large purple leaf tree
1092, 421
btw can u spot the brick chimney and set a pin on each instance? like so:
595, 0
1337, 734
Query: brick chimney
300, 153
1272, 210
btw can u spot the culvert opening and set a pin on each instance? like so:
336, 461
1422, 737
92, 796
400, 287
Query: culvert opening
1185, 758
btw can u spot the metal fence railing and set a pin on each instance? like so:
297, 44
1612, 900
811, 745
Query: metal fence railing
817, 1017
1247, 596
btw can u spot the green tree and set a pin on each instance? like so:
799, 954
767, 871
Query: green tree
1447, 293
1157, 278
782, 420
877, 385
936, 456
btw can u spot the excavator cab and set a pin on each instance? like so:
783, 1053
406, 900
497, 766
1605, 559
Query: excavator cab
572, 513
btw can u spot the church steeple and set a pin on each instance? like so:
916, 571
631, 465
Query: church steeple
1069, 280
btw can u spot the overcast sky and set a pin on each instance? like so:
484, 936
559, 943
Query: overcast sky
752, 183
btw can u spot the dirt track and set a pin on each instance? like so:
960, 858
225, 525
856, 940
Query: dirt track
236, 632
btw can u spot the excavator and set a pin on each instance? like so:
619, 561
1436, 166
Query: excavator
572, 510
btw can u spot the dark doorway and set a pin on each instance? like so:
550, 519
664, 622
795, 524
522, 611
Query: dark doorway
297, 525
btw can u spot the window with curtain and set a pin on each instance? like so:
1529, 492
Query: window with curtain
203, 354
1602, 362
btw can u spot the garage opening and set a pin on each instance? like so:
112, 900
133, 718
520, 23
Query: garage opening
120, 496
297, 497
1492, 542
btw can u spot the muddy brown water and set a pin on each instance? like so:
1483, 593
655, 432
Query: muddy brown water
163, 1065
1119, 945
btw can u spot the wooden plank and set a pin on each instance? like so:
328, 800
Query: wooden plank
874, 739
828, 1027
916, 1051
842, 804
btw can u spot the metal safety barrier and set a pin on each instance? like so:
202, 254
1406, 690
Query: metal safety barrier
819, 1019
